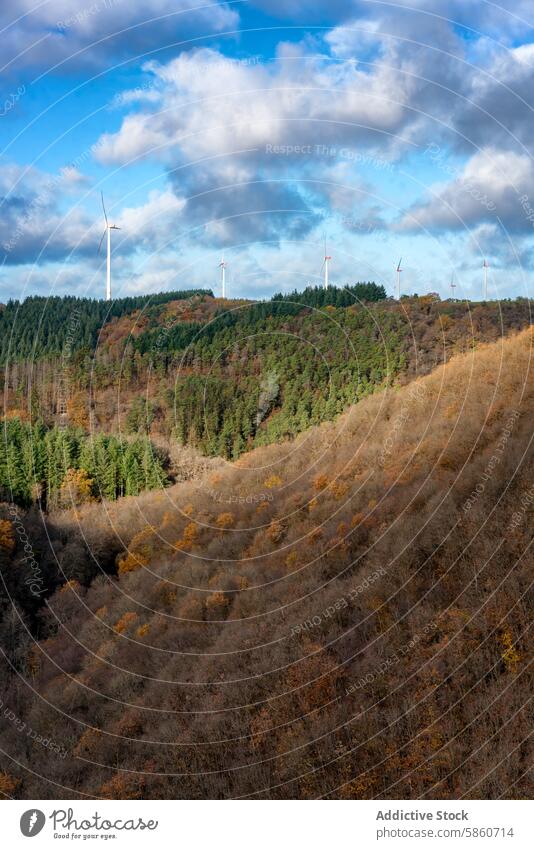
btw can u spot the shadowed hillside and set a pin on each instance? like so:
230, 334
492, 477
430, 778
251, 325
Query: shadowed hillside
343, 615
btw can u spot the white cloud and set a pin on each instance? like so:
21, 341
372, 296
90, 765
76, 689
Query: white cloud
210, 106
32, 225
220, 127
488, 188
90, 31
154, 224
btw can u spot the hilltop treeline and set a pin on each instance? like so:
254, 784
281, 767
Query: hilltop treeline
42, 326
336, 296
343, 616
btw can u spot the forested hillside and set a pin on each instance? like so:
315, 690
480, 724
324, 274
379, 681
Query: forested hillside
40, 326
227, 376
67, 467
343, 615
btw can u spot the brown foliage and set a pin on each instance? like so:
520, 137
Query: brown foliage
7, 536
358, 642
8, 785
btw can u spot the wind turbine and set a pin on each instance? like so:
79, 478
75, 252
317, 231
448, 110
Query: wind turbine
399, 269
107, 231
485, 267
326, 260
453, 285
223, 266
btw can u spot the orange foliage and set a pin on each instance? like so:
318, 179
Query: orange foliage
510, 655
339, 489
76, 488
8, 784
217, 603
320, 482
7, 536
131, 562
272, 481
225, 520
125, 622
139, 551
275, 532
188, 537
77, 411
71, 584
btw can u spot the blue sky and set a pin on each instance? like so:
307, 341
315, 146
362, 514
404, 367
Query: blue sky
254, 129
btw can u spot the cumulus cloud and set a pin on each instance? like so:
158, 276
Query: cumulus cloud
210, 105
494, 186
501, 102
153, 224
89, 32
241, 138
259, 151
32, 225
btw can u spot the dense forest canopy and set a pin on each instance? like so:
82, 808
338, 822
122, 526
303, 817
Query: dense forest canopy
232, 374
336, 296
39, 326
65, 466
226, 376
266, 379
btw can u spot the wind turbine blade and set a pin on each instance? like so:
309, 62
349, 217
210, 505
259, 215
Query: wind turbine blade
102, 239
103, 207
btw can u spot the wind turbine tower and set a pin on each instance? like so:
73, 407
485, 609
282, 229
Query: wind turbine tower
223, 266
399, 269
453, 285
485, 267
326, 260
107, 232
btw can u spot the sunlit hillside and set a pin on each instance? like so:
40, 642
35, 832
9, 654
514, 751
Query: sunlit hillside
343, 614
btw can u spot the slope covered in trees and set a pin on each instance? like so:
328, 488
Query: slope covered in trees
65, 465
40, 326
225, 377
344, 615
